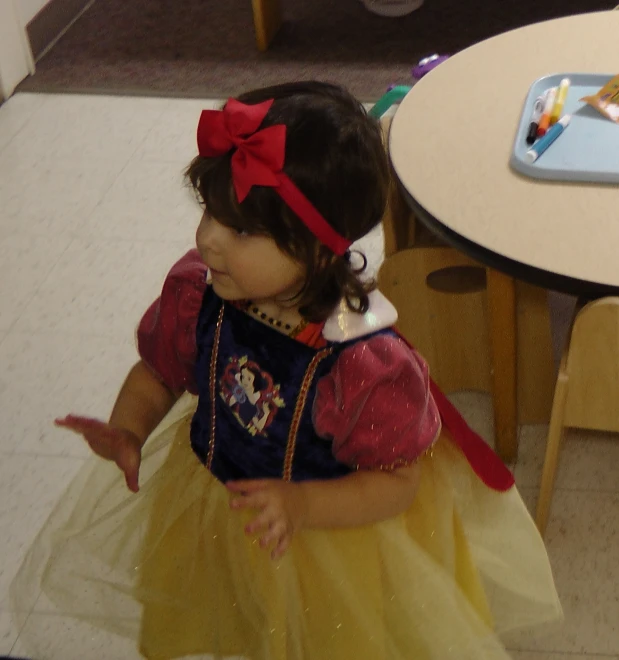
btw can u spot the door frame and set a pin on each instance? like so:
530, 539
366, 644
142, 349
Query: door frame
16, 60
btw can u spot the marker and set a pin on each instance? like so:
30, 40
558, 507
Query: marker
536, 115
544, 121
543, 143
557, 108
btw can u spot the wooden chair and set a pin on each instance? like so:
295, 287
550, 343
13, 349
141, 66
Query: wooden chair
267, 21
478, 328
587, 391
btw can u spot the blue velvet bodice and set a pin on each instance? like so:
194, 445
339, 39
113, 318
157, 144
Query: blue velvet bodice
254, 415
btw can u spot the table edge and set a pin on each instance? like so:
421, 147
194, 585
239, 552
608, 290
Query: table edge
516, 269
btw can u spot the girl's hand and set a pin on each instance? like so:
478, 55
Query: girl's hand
281, 507
119, 445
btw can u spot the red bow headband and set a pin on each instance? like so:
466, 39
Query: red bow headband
259, 161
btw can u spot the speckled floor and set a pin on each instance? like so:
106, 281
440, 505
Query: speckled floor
205, 48
92, 214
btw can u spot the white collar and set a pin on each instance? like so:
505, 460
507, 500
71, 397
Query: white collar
344, 324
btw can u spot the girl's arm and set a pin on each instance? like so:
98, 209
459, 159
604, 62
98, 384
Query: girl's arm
166, 342
143, 401
360, 498
357, 499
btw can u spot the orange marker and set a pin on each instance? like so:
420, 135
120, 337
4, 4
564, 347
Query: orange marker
544, 121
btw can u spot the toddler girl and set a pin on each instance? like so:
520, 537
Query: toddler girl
297, 486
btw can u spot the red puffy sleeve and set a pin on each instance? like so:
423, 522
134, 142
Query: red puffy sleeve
375, 405
166, 335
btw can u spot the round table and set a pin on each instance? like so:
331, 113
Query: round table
450, 143
451, 140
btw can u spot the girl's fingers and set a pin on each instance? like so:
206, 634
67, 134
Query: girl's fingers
84, 425
77, 420
132, 481
66, 420
281, 548
129, 463
247, 486
97, 434
276, 531
101, 438
262, 521
69, 424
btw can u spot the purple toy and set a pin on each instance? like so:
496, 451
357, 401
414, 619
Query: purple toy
427, 64
423, 67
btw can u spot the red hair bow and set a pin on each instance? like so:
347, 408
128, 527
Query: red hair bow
258, 160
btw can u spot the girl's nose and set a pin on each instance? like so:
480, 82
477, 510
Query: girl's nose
211, 234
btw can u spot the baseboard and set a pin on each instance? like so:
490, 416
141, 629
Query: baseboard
45, 27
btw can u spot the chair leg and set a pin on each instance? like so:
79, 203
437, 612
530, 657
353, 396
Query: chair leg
553, 445
267, 21
501, 293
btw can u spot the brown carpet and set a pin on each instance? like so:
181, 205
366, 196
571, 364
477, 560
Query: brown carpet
205, 48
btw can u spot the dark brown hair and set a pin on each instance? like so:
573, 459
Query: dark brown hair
335, 156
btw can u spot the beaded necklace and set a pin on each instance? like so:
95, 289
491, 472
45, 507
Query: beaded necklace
276, 323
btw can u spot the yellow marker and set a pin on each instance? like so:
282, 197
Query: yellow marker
557, 108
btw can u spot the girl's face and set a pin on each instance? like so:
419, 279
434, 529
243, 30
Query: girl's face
246, 267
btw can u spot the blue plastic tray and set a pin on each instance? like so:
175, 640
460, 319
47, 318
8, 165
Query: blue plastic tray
589, 149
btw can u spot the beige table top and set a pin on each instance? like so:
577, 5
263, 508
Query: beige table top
453, 157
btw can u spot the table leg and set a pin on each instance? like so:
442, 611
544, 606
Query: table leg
267, 21
501, 292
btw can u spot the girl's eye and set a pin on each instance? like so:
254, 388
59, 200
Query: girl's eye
241, 232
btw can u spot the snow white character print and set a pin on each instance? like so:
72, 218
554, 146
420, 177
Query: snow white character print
251, 394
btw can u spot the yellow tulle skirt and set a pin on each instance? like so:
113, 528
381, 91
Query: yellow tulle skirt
172, 569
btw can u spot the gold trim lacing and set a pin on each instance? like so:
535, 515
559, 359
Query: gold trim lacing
212, 388
298, 411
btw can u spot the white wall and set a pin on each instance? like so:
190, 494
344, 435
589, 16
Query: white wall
15, 55
28, 9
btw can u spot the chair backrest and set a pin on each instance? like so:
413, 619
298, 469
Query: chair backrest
592, 367
449, 329
399, 224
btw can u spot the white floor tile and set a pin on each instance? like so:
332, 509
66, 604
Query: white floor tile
150, 201
45, 376
529, 497
173, 138
476, 408
77, 127
535, 655
25, 263
19, 651
584, 461
582, 540
8, 632
29, 489
15, 113
49, 199
68, 639
101, 287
